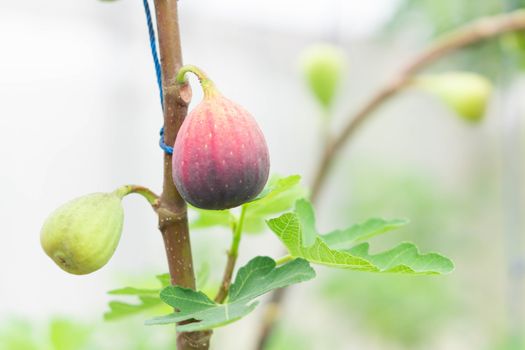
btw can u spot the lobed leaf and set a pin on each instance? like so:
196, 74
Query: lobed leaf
257, 277
405, 258
360, 232
279, 195
261, 275
147, 300
120, 309
295, 231
197, 306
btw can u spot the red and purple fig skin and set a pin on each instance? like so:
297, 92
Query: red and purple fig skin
220, 156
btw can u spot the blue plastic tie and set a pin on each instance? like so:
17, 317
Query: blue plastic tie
158, 70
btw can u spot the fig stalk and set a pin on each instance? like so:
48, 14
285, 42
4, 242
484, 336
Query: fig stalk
149, 195
208, 87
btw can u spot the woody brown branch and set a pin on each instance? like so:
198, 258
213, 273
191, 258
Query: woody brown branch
172, 211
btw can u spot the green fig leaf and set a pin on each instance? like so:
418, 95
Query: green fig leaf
120, 309
256, 278
18, 334
196, 305
305, 214
67, 335
276, 185
208, 218
342, 239
279, 195
148, 299
405, 258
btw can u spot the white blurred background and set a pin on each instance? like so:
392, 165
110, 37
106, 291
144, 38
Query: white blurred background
80, 113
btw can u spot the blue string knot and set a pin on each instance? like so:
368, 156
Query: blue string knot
158, 70
166, 148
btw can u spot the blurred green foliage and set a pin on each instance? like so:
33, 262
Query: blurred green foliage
441, 215
444, 15
59, 334
67, 334
148, 299
18, 335
286, 338
510, 343
403, 310
440, 17
411, 312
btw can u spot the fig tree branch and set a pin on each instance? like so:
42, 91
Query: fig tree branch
172, 211
479, 30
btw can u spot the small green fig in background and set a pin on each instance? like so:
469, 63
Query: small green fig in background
466, 93
323, 66
82, 235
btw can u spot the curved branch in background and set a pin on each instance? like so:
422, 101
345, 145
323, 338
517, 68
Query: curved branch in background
479, 30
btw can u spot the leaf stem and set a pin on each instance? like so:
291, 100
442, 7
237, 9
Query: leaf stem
284, 260
238, 231
233, 253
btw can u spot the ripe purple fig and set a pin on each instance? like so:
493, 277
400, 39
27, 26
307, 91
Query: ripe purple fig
220, 156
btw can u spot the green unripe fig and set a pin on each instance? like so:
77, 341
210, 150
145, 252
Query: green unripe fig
323, 66
82, 235
466, 93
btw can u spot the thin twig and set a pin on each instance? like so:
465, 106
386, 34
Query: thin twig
172, 212
472, 33
233, 253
